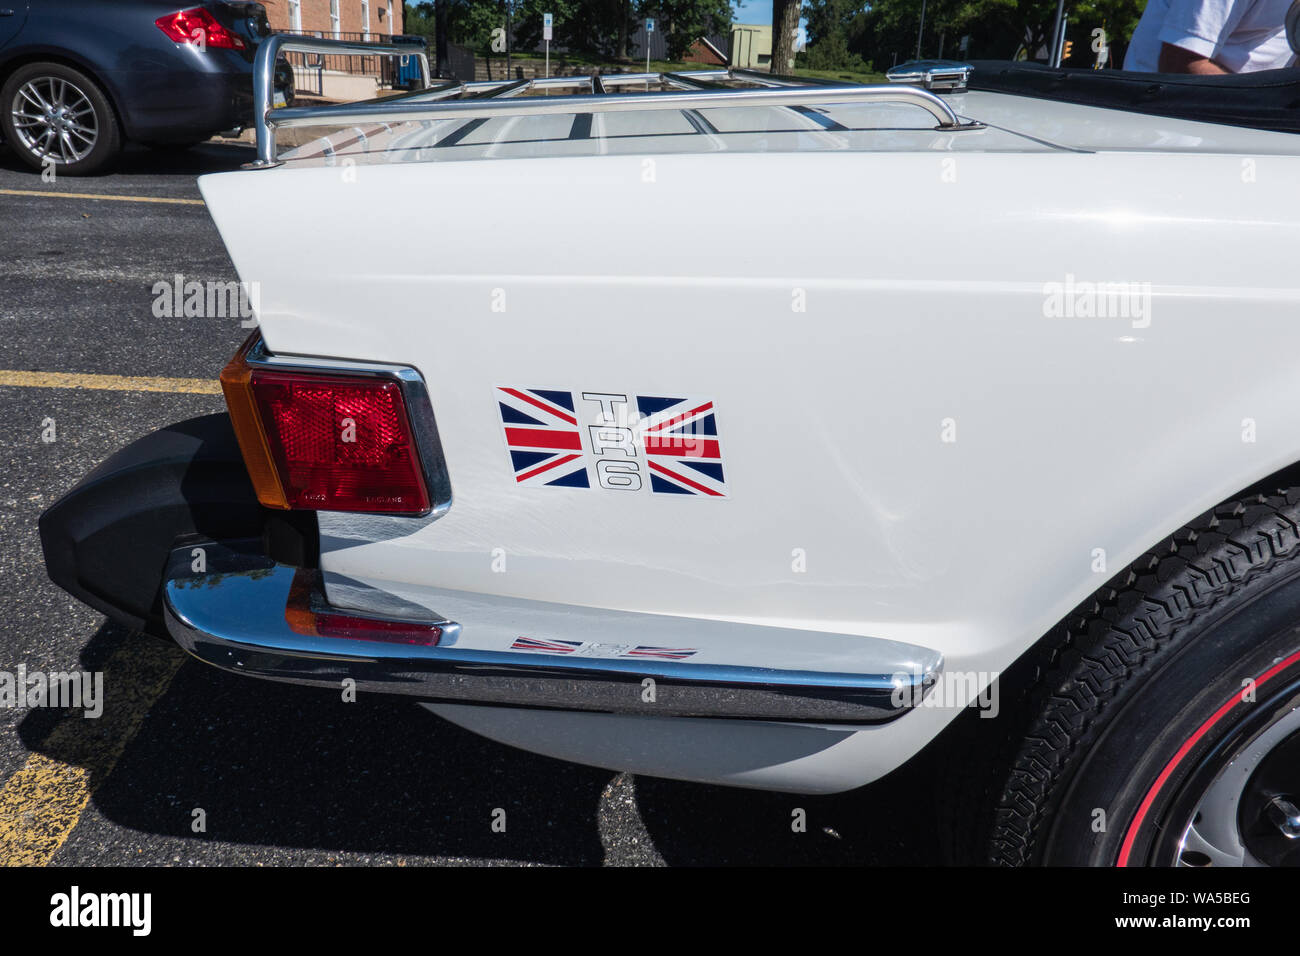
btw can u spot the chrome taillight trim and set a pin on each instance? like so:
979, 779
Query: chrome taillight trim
419, 407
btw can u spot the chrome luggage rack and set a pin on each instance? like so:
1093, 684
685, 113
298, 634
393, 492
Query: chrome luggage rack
484, 99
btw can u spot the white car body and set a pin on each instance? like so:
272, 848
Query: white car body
927, 440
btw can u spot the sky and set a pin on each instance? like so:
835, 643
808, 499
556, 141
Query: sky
760, 11
755, 11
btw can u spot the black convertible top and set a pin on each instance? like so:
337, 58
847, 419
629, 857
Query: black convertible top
1269, 99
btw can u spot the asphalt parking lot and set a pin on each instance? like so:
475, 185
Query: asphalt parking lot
282, 775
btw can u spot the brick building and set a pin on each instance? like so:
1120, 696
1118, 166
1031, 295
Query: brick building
347, 19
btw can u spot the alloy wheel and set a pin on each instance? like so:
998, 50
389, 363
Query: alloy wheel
55, 119
1245, 798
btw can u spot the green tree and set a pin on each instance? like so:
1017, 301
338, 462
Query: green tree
785, 27
469, 22
830, 24
597, 27
997, 29
685, 21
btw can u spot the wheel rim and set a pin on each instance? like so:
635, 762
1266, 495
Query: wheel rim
55, 119
1244, 814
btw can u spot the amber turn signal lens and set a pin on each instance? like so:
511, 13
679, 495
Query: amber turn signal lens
237, 384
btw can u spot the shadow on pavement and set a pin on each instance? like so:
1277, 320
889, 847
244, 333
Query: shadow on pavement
208, 157
885, 824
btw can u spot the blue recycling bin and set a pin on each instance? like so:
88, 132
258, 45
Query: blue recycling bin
408, 67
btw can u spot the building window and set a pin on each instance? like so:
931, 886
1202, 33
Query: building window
365, 18
390, 16
334, 16
295, 15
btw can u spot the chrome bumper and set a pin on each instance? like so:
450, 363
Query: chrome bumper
242, 612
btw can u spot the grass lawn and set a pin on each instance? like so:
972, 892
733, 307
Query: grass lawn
843, 76
570, 60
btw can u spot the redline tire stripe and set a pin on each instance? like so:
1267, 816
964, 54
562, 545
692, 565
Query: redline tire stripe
1130, 838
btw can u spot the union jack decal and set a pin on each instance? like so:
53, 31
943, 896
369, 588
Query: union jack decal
612, 441
663, 653
545, 647
680, 438
542, 436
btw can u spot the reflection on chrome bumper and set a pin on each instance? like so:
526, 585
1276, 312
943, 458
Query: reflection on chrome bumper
244, 613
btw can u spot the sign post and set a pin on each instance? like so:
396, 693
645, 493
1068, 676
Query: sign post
649, 29
546, 35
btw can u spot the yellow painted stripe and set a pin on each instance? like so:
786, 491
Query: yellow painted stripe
42, 802
57, 195
116, 383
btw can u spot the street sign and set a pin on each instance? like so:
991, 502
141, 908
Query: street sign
546, 35
649, 25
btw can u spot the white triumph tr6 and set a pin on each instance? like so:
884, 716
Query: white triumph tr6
823, 425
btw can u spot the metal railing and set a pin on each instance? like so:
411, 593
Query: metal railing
269, 51
703, 89
310, 66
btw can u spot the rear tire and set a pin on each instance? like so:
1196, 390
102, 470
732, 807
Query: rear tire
54, 115
1185, 664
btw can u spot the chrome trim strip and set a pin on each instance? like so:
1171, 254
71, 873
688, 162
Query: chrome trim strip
236, 615
433, 464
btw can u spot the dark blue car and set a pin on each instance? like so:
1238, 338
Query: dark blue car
78, 78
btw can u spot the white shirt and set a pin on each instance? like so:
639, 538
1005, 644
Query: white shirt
1242, 36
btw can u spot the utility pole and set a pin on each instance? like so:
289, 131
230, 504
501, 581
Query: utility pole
510, 64
440, 37
1056, 35
920, 31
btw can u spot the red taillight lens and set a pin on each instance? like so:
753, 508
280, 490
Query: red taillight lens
340, 444
198, 27
325, 442
302, 619
356, 628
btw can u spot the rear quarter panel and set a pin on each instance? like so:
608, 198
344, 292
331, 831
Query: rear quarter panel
920, 443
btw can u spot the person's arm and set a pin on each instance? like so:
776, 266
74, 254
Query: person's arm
1174, 59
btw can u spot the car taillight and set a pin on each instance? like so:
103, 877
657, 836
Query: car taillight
325, 442
199, 28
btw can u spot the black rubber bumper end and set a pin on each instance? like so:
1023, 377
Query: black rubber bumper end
107, 541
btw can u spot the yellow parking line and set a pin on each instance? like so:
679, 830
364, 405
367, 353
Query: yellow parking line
42, 802
162, 199
117, 383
